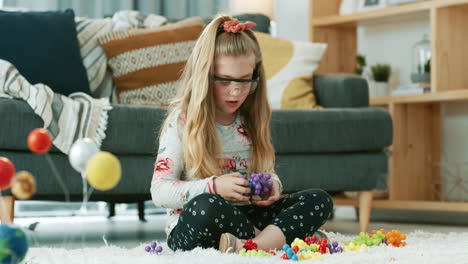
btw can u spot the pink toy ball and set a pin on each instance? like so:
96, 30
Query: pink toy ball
39, 141
7, 171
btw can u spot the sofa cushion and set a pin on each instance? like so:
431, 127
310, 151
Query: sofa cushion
134, 129
43, 46
331, 130
332, 171
146, 63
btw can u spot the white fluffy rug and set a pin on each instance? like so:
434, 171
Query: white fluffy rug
422, 248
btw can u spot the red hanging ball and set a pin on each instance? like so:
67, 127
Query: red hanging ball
39, 141
7, 171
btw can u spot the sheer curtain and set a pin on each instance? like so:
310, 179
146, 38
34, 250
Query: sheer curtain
172, 9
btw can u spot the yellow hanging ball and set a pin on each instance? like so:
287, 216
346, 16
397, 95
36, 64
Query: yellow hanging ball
103, 171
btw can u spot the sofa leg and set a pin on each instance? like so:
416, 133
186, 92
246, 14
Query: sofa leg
141, 211
111, 206
7, 209
365, 206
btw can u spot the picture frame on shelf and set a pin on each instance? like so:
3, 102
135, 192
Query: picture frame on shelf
365, 5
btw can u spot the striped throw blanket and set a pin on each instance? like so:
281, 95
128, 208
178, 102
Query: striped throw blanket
66, 118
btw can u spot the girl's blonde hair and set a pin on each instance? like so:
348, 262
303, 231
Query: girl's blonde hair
196, 103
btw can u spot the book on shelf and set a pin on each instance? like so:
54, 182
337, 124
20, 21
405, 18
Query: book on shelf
400, 2
411, 90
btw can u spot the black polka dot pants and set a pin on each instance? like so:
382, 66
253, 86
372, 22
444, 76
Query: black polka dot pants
207, 216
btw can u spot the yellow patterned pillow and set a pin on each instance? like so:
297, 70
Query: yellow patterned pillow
289, 66
146, 63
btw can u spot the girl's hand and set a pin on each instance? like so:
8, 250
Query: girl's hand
274, 196
231, 187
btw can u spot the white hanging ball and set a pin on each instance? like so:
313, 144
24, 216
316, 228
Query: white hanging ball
81, 151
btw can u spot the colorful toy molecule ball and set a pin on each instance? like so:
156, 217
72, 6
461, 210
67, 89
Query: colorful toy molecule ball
103, 171
153, 248
39, 141
24, 185
395, 238
250, 245
80, 153
7, 171
14, 244
256, 253
260, 185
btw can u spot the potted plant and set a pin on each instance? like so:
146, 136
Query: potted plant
381, 75
360, 64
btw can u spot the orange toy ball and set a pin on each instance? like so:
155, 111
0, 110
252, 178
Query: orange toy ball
7, 171
23, 186
39, 141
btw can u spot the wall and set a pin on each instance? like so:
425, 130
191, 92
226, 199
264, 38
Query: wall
292, 19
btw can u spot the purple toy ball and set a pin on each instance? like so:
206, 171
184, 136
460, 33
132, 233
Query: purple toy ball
270, 183
384, 241
159, 249
153, 248
335, 244
339, 249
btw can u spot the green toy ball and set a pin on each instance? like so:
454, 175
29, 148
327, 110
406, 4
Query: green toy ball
13, 244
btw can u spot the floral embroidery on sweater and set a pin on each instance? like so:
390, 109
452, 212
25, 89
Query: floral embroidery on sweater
163, 168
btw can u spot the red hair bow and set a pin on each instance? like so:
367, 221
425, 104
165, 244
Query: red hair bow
234, 26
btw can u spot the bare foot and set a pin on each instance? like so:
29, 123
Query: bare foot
239, 244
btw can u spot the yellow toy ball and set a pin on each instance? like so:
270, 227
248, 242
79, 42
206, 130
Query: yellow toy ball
103, 171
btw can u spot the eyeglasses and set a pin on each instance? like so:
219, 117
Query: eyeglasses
243, 85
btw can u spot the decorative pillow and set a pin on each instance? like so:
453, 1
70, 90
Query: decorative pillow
43, 46
289, 66
146, 63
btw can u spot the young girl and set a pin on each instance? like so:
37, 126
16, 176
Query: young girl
217, 128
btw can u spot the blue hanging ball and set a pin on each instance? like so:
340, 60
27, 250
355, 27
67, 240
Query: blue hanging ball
13, 244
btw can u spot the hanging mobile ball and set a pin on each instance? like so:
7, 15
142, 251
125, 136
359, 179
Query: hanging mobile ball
39, 141
7, 171
103, 171
24, 185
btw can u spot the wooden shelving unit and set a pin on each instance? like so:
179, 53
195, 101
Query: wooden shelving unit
456, 95
413, 172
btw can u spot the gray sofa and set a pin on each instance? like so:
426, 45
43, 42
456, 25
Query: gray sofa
339, 148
